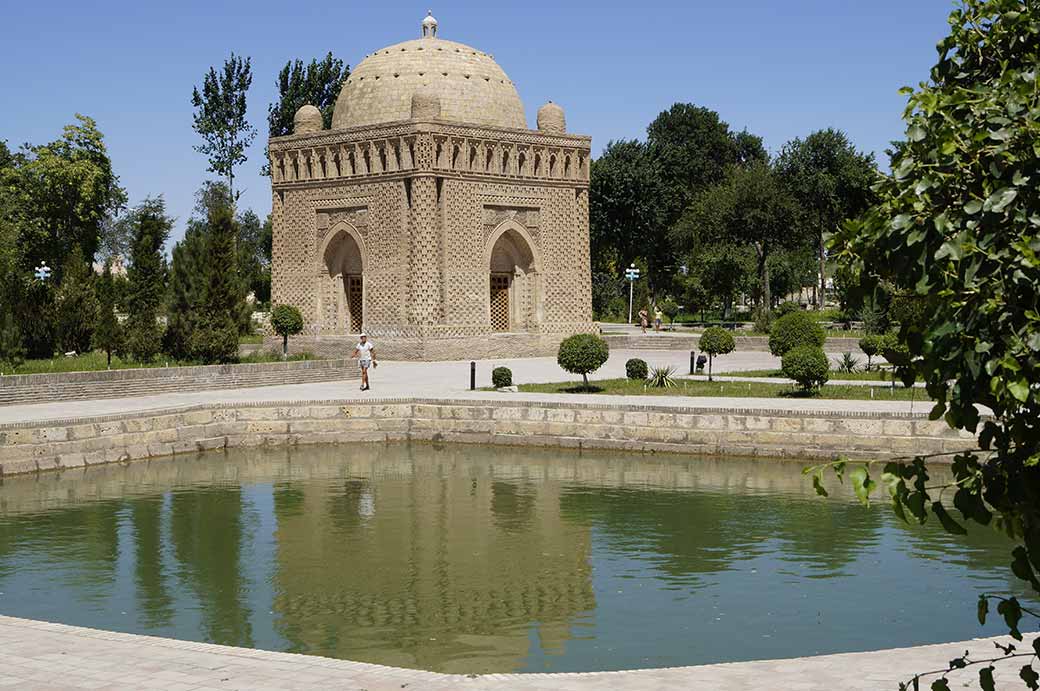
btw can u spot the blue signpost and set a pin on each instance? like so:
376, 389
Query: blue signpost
43, 272
631, 273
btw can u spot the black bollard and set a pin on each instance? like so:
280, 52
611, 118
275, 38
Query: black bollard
472, 376
693, 362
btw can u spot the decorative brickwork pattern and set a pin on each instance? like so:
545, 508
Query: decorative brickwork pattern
435, 204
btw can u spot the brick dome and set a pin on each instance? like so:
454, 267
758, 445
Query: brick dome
470, 85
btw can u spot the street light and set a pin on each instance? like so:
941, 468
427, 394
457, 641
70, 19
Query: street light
631, 273
42, 272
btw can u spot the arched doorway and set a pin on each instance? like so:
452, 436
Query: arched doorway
514, 303
343, 298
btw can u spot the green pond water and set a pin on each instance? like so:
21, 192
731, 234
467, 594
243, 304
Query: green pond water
473, 559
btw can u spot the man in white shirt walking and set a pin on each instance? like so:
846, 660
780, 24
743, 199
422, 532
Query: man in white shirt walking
365, 352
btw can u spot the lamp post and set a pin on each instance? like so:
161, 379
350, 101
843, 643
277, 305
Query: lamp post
631, 273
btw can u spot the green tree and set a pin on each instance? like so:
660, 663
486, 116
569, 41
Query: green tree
717, 272
286, 321
108, 336
692, 149
12, 353
317, 84
147, 279
832, 182
750, 207
716, 341
220, 117
581, 354
215, 338
57, 196
76, 305
958, 227
623, 194
187, 291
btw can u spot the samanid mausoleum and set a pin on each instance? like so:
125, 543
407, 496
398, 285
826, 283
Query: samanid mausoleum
429, 215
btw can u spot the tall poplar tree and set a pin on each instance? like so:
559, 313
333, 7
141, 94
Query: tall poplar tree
220, 117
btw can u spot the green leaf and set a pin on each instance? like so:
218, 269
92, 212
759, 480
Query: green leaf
1012, 613
817, 483
986, 679
999, 200
1020, 389
940, 685
983, 610
862, 485
1030, 677
973, 207
948, 524
916, 133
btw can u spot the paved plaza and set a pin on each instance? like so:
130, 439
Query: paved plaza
451, 380
41, 656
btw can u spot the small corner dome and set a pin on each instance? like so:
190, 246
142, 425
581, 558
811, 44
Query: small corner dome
426, 104
307, 120
551, 119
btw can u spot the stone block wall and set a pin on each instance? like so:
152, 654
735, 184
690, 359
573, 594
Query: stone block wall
67, 386
35, 447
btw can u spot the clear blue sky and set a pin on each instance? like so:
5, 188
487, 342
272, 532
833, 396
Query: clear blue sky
782, 69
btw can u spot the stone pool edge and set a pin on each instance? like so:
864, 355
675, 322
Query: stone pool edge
52, 445
51, 655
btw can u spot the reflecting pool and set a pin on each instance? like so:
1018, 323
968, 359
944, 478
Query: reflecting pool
478, 559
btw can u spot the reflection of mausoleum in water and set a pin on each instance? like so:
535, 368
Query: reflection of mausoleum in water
475, 565
429, 214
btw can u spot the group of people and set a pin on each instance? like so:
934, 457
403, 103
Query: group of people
644, 319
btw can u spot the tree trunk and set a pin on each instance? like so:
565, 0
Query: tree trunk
585, 378
822, 254
285, 347
711, 359
763, 275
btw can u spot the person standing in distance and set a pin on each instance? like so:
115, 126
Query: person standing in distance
365, 352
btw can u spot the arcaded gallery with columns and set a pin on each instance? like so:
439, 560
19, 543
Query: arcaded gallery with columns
429, 216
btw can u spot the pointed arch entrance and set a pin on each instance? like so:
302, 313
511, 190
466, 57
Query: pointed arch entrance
514, 301
342, 307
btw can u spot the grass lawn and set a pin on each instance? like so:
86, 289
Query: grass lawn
251, 339
627, 387
873, 375
97, 361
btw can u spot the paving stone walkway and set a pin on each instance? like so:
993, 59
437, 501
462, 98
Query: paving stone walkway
451, 380
41, 656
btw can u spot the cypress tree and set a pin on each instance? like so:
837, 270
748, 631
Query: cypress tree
187, 290
76, 308
216, 338
147, 274
108, 335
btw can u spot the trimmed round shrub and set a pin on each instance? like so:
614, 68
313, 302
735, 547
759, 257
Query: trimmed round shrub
871, 345
636, 369
793, 330
581, 354
501, 377
716, 341
807, 365
787, 307
286, 321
